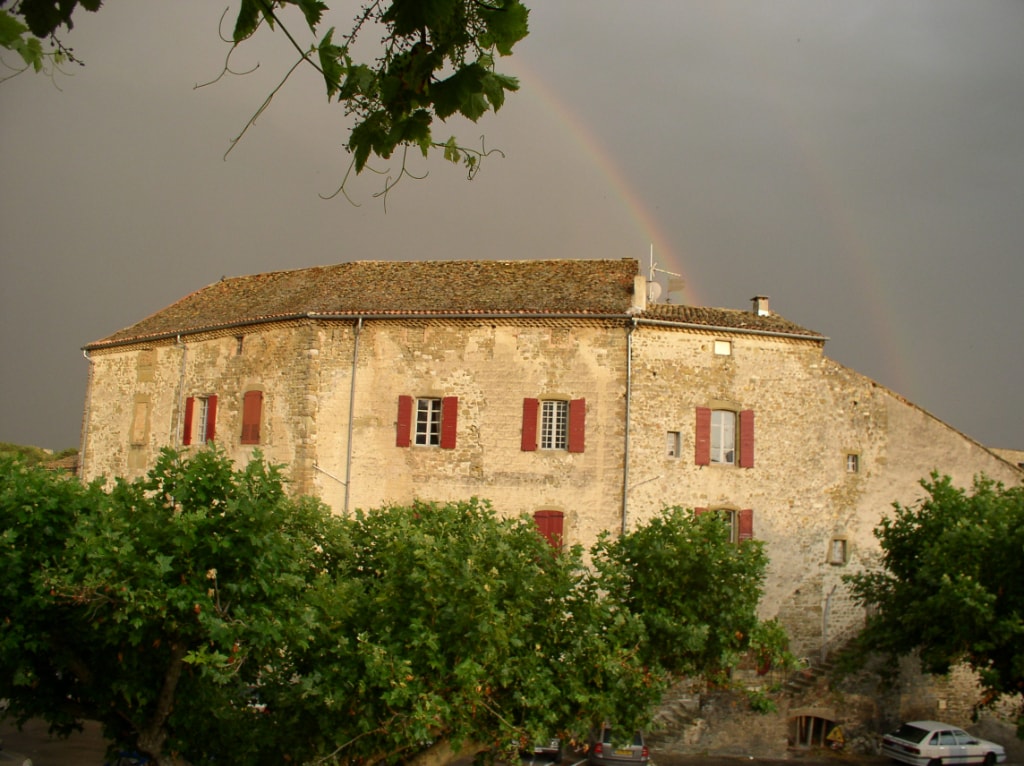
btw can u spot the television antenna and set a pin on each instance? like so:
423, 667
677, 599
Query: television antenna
653, 286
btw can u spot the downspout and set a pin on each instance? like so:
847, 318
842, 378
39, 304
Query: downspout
83, 442
177, 437
351, 414
625, 449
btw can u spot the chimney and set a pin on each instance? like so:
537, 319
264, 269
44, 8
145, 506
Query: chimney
761, 305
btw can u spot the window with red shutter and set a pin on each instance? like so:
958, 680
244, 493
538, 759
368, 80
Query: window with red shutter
210, 421
746, 439
745, 524
530, 409
252, 413
403, 426
550, 524
577, 424
190, 405
702, 442
449, 421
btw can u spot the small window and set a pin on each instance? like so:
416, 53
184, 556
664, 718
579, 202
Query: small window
428, 422
554, 424
673, 444
837, 551
200, 420
559, 424
723, 347
239, 342
853, 463
741, 523
724, 437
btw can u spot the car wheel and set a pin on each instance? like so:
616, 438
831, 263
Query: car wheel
935, 762
990, 759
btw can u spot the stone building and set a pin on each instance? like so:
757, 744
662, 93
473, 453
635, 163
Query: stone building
551, 388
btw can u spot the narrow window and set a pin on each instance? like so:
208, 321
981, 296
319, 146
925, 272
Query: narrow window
554, 424
853, 463
837, 551
200, 420
673, 444
252, 413
741, 523
428, 422
716, 437
723, 437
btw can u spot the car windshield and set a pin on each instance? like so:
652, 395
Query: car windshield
911, 733
619, 741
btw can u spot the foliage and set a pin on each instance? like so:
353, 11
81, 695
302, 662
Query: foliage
203, 613
436, 59
33, 455
951, 584
152, 606
694, 590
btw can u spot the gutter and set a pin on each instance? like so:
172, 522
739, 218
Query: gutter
351, 415
83, 441
338, 318
722, 328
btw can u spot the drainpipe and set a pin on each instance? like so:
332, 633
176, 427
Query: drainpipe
83, 442
625, 449
824, 623
177, 437
351, 414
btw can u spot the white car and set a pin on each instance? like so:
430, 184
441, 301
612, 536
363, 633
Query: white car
930, 743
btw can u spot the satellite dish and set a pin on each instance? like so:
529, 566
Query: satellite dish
653, 291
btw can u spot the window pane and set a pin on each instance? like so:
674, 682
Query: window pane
428, 421
723, 436
554, 424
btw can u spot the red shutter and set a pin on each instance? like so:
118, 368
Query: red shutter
252, 409
745, 524
404, 423
530, 408
190, 404
699, 511
746, 439
550, 525
449, 421
211, 418
702, 442
577, 424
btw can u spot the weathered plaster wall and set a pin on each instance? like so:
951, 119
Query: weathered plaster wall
491, 367
810, 413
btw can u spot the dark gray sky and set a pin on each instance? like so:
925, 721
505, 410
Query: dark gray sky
861, 162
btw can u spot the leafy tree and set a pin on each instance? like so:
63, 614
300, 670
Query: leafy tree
695, 592
33, 455
951, 584
437, 59
203, 613
155, 605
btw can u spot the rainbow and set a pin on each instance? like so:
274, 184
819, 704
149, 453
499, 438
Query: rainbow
852, 254
581, 137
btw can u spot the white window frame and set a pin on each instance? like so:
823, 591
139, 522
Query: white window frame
724, 426
554, 424
428, 423
852, 462
200, 425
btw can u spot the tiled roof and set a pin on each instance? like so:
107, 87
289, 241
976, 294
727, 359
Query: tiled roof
390, 287
730, 319
429, 288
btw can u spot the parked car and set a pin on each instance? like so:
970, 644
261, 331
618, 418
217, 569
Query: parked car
931, 743
609, 746
546, 750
